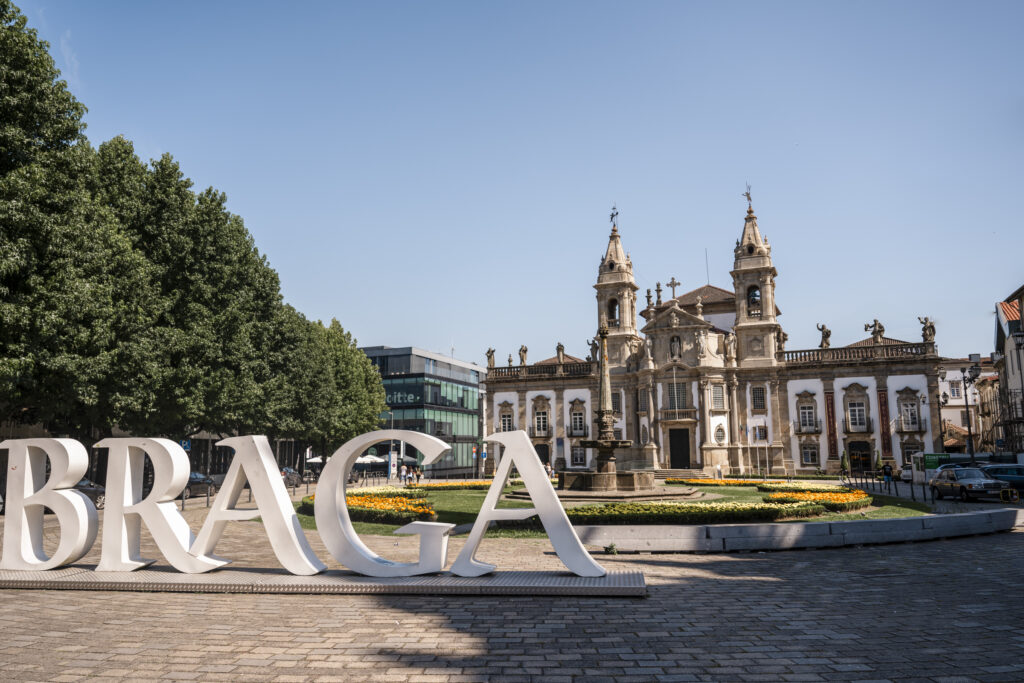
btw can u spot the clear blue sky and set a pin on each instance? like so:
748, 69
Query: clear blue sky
438, 173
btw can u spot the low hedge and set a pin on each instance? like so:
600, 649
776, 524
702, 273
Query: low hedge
358, 514
679, 513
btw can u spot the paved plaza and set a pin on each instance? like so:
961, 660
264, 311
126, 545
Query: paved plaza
940, 610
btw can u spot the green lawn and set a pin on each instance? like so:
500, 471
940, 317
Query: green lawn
461, 507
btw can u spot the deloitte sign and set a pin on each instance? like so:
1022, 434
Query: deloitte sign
29, 493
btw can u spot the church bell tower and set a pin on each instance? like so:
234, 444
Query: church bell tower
616, 297
758, 333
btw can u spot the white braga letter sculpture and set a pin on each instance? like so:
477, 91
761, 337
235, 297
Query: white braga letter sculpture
28, 496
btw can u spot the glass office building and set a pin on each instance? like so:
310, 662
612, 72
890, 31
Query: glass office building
438, 395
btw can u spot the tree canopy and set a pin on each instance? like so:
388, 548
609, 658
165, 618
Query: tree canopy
130, 300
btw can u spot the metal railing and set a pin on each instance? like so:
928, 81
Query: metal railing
536, 431
678, 414
853, 428
578, 431
905, 425
807, 427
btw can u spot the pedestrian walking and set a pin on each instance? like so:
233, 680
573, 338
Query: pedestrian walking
419, 475
403, 473
887, 475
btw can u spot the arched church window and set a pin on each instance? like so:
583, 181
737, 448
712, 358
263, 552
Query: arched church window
613, 313
754, 301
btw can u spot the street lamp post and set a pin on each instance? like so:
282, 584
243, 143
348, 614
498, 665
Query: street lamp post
943, 400
970, 376
391, 446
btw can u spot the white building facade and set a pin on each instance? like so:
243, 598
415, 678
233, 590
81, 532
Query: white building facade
702, 381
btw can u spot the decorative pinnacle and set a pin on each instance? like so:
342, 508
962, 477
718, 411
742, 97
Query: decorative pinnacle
750, 203
614, 219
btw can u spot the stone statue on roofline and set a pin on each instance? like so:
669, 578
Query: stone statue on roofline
490, 359
826, 336
510, 361
927, 329
877, 330
522, 354
560, 353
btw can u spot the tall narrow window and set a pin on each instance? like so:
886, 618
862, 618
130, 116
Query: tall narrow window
807, 417
954, 389
616, 402
757, 398
577, 424
613, 313
643, 401
676, 395
506, 423
540, 421
754, 301
718, 397
858, 414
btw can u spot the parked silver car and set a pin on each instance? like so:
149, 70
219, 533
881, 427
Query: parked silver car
965, 483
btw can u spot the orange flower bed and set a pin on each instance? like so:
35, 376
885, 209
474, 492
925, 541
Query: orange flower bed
819, 497
417, 506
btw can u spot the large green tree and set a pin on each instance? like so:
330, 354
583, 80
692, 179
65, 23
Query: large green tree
128, 299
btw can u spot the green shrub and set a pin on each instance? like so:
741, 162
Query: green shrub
678, 513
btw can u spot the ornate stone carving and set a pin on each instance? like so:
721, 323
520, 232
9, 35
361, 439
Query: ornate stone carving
826, 336
490, 359
701, 341
927, 329
700, 307
510, 361
650, 299
730, 346
560, 352
675, 347
522, 354
877, 330
780, 339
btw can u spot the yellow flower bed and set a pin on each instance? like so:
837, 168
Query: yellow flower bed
833, 501
820, 497
417, 506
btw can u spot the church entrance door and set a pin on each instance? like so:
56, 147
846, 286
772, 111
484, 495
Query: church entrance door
543, 452
679, 449
860, 456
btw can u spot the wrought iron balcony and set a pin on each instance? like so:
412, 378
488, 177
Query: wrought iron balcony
539, 432
678, 414
857, 427
807, 426
583, 431
905, 425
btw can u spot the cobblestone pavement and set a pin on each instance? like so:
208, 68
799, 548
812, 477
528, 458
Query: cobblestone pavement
938, 611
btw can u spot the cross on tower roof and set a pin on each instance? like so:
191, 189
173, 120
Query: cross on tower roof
673, 284
614, 215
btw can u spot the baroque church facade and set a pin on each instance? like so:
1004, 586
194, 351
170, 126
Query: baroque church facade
702, 381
